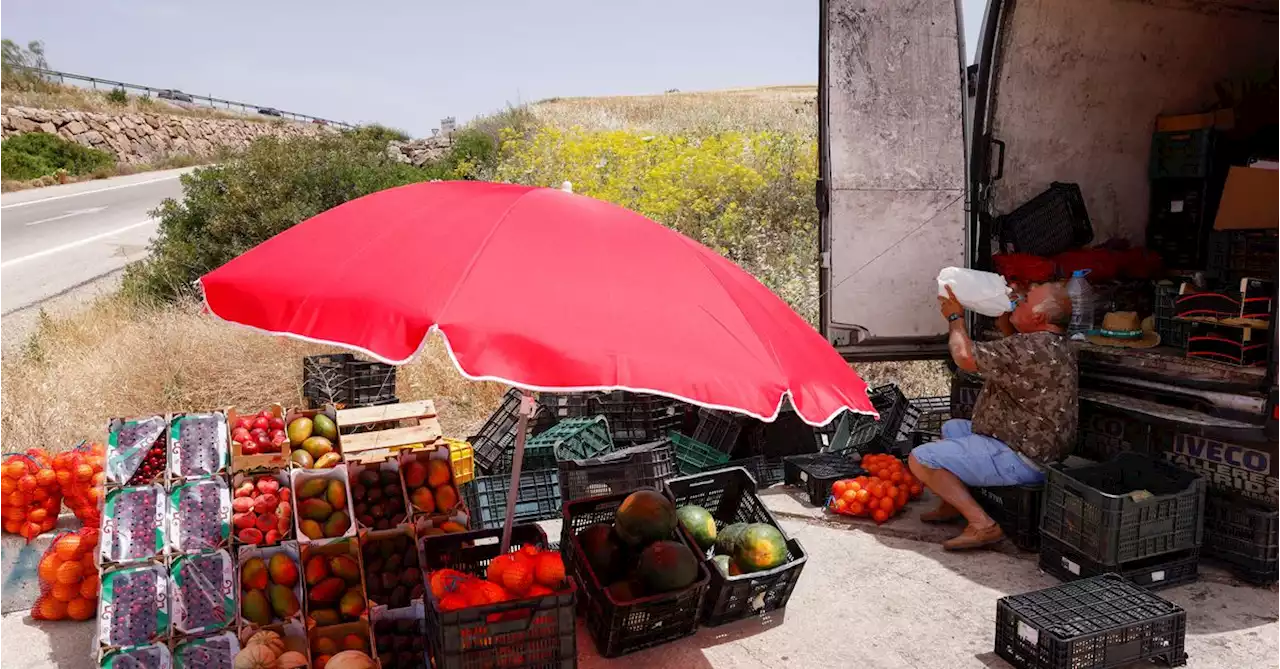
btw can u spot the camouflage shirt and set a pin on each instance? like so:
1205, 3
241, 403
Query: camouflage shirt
1030, 399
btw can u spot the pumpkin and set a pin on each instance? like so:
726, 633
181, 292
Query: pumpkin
350, 659
291, 660
269, 639
255, 657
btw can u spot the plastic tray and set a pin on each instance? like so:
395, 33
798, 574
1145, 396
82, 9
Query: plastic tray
695, 457
211, 652
1172, 332
1090, 508
570, 439
344, 380
729, 495
538, 498
1096, 623
1236, 254
861, 433
1048, 224
201, 587
530, 632
965, 389
635, 418
718, 429
620, 627
1244, 537
133, 524
198, 445
133, 606
1182, 154
1016, 509
493, 443
933, 412
1162, 571
817, 472
643, 466
567, 405
199, 515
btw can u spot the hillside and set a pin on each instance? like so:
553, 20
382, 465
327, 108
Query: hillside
787, 109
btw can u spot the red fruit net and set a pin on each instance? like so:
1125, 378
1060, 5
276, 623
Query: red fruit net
1103, 264
30, 496
68, 578
1023, 268
80, 473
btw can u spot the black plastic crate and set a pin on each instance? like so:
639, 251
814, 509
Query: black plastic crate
1105, 429
530, 632
1180, 218
1243, 536
618, 627
816, 473
965, 389
1047, 224
538, 498
567, 405
1182, 154
1236, 254
344, 380
497, 437
1016, 509
643, 466
718, 429
934, 411
1153, 573
729, 495
636, 419
1172, 332
1096, 623
1091, 510
765, 472
862, 434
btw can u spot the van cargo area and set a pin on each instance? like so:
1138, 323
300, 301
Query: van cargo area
1133, 138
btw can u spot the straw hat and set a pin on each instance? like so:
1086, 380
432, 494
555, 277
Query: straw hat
1125, 330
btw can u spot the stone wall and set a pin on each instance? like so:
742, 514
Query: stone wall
142, 137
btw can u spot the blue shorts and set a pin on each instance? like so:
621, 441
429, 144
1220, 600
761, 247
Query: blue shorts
976, 459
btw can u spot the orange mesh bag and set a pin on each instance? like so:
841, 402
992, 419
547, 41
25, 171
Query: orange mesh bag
68, 578
30, 496
80, 473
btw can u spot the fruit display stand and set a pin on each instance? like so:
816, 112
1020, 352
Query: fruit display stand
245, 515
642, 466
244, 462
378, 497
621, 625
729, 496
267, 617
399, 636
534, 631
392, 563
336, 592
322, 504
417, 428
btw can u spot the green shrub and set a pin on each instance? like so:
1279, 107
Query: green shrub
473, 156
118, 96
377, 133
36, 154
229, 208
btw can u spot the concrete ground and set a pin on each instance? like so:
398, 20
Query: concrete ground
883, 597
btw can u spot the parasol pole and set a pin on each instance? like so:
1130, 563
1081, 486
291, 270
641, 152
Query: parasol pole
517, 460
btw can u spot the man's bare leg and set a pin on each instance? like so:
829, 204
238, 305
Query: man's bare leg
982, 530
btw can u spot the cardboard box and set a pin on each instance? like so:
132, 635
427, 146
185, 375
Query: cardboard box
241, 462
1249, 200
281, 476
336, 635
213, 426
1222, 119
328, 411
374, 566
301, 476
438, 452
294, 635
380, 510
289, 548
348, 547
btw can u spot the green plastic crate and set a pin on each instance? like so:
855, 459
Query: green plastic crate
695, 457
570, 439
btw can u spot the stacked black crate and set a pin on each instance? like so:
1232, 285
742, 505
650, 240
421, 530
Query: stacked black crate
1186, 184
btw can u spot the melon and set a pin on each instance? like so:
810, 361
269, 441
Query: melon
760, 547
727, 539
350, 659
698, 522
666, 566
602, 551
644, 517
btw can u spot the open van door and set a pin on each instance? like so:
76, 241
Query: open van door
892, 188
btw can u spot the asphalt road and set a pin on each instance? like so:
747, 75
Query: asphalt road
61, 237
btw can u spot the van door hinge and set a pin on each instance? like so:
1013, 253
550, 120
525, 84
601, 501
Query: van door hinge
826, 260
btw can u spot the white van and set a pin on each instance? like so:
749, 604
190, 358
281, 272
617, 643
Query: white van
1063, 91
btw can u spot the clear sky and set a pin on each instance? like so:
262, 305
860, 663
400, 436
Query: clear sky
411, 62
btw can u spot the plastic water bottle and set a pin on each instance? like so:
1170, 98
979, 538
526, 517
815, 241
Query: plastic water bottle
1082, 297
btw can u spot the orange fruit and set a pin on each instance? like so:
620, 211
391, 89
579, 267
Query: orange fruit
849, 496
517, 577
854, 485
87, 563
65, 592
37, 516
891, 491
48, 569
886, 504
89, 586
15, 468
52, 609
46, 478
27, 483
496, 567
81, 608
838, 488
84, 473
896, 477
904, 496
857, 508
13, 526
839, 506
48, 524
67, 546
863, 496
64, 478
70, 572
879, 515
916, 489
14, 513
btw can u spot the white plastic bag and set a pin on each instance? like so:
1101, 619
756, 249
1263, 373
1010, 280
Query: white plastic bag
983, 292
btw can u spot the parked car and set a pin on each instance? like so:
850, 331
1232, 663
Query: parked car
174, 94
269, 111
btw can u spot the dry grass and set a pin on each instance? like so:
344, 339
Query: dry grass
788, 109
115, 170
57, 96
916, 378
115, 359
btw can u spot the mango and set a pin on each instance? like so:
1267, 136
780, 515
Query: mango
323, 426
446, 498
337, 495
337, 524
317, 569
438, 473
283, 570
352, 604
300, 430
414, 474
311, 529
345, 567
312, 488
255, 608
451, 527
253, 574
328, 590
302, 459
283, 601
355, 642
317, 446
324, 617
326, 646
424, 500
314, 509
328, 460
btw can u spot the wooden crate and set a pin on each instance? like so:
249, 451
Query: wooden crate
374, 434
248, 463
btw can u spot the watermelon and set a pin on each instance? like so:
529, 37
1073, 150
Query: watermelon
700, 525
760, 547
666, 566
727, 539
602, 550
644, 517
623, 591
